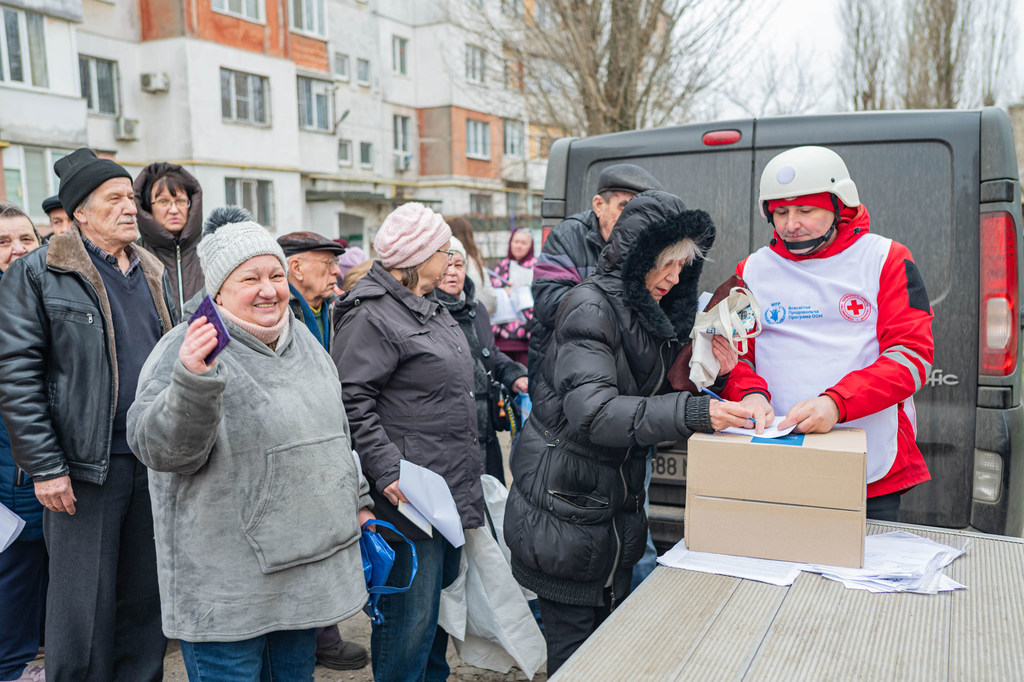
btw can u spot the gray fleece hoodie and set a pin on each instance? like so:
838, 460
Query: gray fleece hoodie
254, 486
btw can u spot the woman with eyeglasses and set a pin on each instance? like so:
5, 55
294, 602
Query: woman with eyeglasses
407, 383
170, 215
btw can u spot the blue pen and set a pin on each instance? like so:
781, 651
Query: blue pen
718, 397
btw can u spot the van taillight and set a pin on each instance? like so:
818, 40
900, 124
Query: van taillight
716, 137
999, 312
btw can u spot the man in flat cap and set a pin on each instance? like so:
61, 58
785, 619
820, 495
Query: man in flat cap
59, 220
312, 272
82, 315
572, 249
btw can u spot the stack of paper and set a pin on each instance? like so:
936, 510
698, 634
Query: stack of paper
10, 527
898, 562
893, 562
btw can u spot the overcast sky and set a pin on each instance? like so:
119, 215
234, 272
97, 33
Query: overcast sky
807, 32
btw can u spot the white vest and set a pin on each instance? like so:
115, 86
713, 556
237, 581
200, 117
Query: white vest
819, 323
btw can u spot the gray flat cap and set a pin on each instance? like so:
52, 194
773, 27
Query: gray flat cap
626, 177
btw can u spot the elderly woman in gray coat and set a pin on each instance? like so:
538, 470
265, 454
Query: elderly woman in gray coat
257, 496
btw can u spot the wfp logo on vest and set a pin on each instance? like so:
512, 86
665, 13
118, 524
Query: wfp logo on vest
854, 307
775, 313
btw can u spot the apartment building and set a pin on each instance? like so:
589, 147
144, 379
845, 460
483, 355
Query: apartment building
313, 114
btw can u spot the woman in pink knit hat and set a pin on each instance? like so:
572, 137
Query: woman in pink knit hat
407, 383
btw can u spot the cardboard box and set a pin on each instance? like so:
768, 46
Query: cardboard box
794, 499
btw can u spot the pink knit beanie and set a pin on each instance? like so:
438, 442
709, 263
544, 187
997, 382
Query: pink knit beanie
410, 235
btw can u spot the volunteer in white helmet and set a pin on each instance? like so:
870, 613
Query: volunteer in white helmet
847, 322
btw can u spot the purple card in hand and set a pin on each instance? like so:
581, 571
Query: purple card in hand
208, 309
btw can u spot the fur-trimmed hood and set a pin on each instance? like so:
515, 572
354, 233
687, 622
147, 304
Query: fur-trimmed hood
651, 222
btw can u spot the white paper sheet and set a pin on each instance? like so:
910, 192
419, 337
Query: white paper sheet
763, 570
771, 431
429, 494
893, 562
10, 527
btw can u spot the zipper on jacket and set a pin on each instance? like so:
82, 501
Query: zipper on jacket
177, 267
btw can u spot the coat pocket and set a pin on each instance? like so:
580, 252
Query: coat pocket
306, 510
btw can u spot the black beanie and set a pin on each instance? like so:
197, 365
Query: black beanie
81, 172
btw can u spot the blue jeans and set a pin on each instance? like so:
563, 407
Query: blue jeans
649, 561
284, 656
409, 646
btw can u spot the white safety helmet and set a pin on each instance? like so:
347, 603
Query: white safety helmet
807, 170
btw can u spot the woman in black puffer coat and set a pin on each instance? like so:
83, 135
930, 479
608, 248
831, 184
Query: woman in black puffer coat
574, 519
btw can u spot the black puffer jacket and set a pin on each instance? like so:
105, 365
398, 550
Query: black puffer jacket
176, 252
575, 520
569, 256
488, 362
407, 383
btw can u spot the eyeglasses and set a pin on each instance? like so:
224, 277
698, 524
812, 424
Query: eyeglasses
329, 262
450, 254
165, 204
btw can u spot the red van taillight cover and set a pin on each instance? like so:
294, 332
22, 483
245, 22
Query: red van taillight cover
999, 312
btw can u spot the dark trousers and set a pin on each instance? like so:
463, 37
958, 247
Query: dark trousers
566, 627
103, 607
884, 507
22, 605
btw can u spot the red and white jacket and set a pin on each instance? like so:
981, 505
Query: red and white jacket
852, 322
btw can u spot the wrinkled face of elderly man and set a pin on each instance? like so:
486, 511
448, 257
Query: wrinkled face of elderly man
107, 216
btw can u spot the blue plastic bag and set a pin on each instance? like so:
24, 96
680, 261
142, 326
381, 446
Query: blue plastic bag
378, 558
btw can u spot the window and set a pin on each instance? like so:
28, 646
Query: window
99, 84
399, 48
480, 203
23, 48
244, 97
478, 139
512, 68
314, 104
363, 71
474, 64
341, 66
28, 172
401, 130
366, 154
309, 16
247, 9
344, 152
513, 138
255, 196
513, 200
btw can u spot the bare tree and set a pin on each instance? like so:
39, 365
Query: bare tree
777, 88
596, 66
995, 39
935, 53
866, 53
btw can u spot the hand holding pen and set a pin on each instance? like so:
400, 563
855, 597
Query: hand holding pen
725, 413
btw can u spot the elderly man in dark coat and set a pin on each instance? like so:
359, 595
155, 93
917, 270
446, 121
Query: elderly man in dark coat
81, 316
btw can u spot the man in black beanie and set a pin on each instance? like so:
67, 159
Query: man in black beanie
83, 314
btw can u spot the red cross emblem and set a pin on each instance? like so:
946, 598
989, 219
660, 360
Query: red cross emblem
855, 307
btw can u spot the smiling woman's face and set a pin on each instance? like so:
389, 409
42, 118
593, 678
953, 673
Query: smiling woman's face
256, 291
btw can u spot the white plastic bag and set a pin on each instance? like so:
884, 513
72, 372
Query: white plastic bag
737, 318
485, 609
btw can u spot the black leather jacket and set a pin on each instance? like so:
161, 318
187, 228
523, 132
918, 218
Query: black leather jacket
58, 359
574, 519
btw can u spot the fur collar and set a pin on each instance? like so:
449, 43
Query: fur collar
651, 222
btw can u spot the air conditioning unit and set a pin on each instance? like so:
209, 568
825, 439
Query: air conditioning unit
403, 162
155, 82
127, 129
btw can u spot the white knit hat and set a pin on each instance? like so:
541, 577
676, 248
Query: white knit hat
410, 235
225, 247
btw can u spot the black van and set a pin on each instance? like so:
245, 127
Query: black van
942, 182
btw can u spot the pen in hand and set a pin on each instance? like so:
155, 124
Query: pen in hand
718, 397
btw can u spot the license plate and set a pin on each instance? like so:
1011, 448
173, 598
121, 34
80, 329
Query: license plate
669, 467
